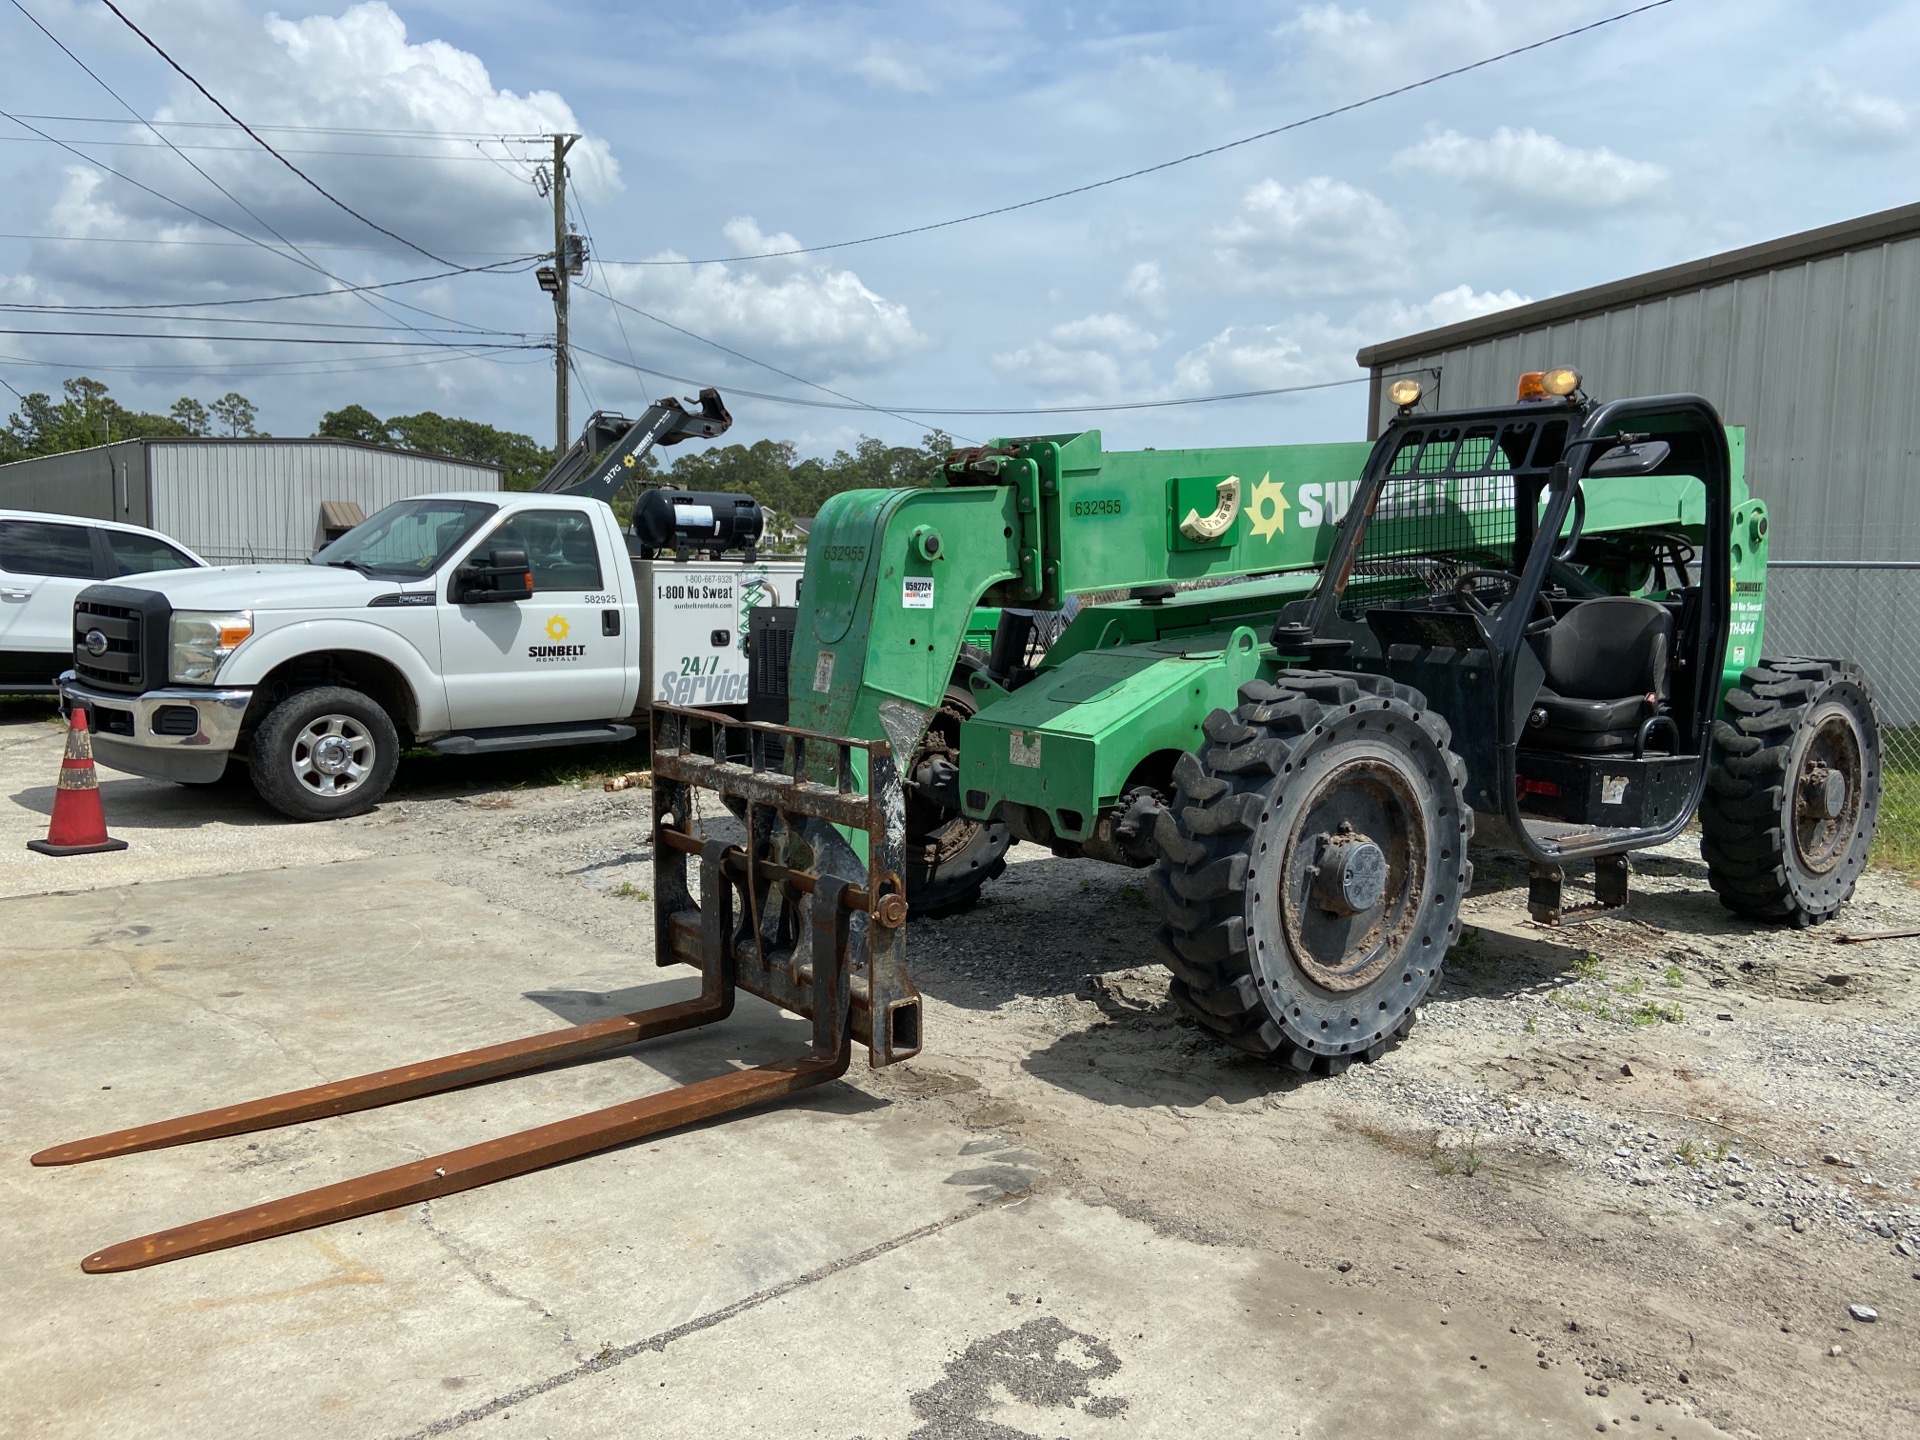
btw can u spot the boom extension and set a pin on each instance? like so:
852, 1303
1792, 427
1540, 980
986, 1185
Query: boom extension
665, 422
810, 939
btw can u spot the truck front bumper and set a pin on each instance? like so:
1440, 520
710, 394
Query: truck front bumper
181, 734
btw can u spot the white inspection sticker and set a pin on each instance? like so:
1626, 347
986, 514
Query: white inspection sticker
1023, 748
1613, 789
916, 592
823, 673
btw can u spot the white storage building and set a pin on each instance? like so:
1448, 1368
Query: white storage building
236, 501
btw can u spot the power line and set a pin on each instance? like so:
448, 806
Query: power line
241, 244
263, 339
523, 261
539, 139
1457, 71
258, 139
274, 368
742, 355
284, 149
297, 256
905, 411
593, 247
16, 308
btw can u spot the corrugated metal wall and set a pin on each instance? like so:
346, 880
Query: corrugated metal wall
1820, 361
105, 483
240, 503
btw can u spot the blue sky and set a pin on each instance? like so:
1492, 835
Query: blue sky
731, 130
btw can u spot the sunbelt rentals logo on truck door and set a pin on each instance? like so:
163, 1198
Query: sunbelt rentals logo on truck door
558, 628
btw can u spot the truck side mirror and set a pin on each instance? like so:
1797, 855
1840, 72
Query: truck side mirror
503, 575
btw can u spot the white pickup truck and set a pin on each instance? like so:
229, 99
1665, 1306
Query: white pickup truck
468, 622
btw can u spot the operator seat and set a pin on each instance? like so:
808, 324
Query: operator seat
1606, 675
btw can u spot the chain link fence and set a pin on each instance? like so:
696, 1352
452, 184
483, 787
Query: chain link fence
1867, 611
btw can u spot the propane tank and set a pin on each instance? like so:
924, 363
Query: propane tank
686, 521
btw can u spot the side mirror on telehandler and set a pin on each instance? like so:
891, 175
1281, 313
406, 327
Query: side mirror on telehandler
1639, 456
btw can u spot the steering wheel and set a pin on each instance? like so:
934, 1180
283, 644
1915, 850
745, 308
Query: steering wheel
1467, 596
1572, 542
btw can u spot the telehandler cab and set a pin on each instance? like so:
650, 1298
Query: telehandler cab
1330, 663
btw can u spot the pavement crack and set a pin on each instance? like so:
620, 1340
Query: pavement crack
611, 1357
485, 1277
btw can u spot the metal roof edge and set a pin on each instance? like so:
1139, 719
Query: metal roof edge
1879, 228
222, 440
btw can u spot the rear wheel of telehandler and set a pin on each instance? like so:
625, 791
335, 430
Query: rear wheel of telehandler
1793, 790
948, 856
1312, 867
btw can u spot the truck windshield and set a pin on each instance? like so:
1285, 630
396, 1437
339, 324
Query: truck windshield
406, 540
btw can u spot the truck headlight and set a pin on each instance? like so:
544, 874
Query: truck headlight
202, 639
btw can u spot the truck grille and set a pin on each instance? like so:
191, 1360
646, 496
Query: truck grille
133, 625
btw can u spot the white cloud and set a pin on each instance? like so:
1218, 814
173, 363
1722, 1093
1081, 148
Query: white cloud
1525, 171
1305, 350
1449, 307
1334, 46
815, 41
1146, 287
1828, 109
1320, 238
1097, 357
357, 70
801, 314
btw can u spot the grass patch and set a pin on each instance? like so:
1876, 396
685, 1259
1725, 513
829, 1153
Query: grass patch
1897, 842
1461, 1157
627, 890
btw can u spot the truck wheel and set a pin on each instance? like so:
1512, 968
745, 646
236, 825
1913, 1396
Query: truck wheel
324, 753
948, 856
1312, 867
1793, 790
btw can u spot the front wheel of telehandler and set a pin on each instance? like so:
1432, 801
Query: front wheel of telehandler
1793, 790
1312, 866
948, 856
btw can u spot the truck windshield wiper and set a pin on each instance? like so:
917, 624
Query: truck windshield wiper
366, 570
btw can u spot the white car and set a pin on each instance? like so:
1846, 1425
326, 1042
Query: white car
45, 561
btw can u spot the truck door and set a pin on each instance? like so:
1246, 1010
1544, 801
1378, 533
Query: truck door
556, 657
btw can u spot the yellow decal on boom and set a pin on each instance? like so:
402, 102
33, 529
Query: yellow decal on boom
1268, 513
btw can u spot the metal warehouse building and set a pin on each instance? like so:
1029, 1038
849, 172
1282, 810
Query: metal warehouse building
236, 501
1811, 342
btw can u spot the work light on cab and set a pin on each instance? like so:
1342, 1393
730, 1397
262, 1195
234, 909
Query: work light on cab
1404, 393
1554, 384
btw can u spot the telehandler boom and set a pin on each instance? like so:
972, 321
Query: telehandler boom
1331, 663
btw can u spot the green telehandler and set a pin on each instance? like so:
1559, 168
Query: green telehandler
1293, 680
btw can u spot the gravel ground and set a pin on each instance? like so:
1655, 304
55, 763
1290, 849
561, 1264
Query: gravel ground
1668, 1148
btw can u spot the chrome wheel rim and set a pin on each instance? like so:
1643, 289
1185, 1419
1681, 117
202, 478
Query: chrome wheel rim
332, 755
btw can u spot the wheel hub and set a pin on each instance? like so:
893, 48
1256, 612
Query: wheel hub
333, 756
1826, 792
1346, 898
1827, 795
1352, 873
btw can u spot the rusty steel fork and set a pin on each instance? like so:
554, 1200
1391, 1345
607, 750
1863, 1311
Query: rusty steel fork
511, 1155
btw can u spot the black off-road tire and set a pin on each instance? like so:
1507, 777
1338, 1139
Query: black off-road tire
1791, 728
292, 779
965, 854
1258, 953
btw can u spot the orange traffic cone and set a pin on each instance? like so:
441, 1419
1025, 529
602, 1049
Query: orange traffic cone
79, 825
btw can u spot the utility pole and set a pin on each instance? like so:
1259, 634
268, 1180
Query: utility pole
563, 269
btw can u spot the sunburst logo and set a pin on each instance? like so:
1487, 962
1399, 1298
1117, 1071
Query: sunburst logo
558, 628
1267, 512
